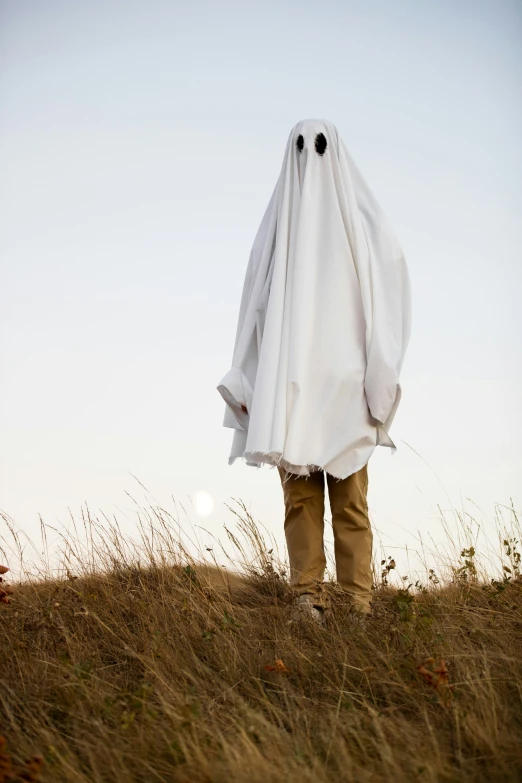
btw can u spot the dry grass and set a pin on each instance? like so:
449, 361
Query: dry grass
143, 665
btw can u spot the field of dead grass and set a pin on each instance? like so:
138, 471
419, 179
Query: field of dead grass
143, 664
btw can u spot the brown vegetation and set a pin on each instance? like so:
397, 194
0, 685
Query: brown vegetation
170, 670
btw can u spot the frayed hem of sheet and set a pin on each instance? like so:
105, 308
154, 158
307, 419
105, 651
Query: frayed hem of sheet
257, 459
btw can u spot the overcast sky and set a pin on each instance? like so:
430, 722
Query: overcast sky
140, 142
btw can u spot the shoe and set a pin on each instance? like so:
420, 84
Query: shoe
306, 609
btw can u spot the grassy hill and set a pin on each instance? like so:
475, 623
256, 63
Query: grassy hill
158, 668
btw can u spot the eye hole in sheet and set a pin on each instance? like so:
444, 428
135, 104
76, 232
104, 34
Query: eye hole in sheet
320, 143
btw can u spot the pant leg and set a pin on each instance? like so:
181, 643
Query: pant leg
304, 528
352, 536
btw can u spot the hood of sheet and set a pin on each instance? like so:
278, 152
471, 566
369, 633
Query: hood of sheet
324, 319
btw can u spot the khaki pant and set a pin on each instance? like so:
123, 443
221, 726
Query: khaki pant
304, 527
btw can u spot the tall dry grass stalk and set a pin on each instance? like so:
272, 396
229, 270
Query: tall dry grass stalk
143, 663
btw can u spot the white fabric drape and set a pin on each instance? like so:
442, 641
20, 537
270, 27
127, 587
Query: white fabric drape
324, 319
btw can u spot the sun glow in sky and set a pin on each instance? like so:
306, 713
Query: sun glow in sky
203, 503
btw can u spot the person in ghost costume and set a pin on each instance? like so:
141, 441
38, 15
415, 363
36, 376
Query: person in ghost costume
323, 327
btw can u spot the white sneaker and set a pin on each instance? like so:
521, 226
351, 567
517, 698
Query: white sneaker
306, 609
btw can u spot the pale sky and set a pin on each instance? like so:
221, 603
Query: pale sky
140, 142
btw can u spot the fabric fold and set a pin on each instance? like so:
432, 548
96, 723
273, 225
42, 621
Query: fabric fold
237, 392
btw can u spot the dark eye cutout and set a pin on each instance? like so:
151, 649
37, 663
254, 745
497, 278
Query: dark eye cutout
320, 143
300, 143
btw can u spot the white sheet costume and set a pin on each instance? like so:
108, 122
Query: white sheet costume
324, 320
